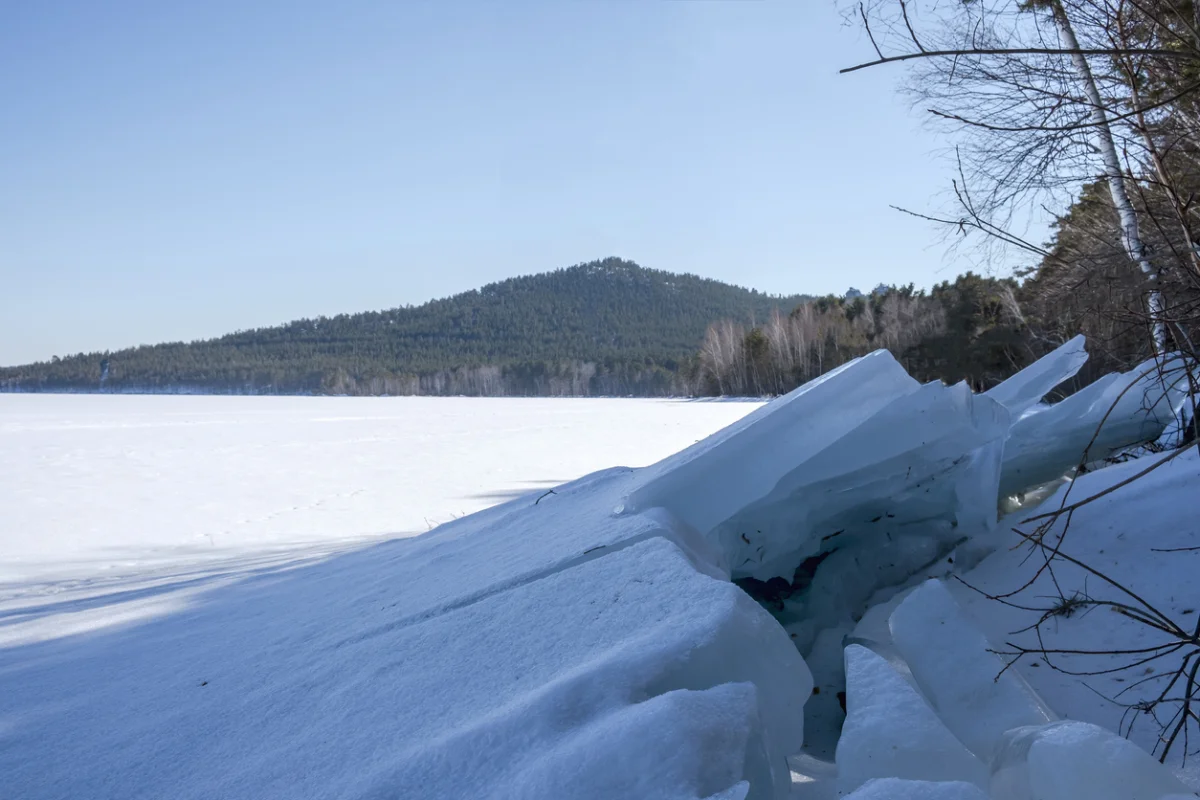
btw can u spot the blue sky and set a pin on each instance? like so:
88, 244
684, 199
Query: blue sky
180, 170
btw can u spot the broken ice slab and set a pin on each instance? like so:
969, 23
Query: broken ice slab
825, 712
872, 629
890, 731
898, 789
1023, 391
925, 464
1117, 411
709, 482
856, 453
1077, 761
865, 453
951, 663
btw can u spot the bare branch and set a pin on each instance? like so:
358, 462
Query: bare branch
1022, 51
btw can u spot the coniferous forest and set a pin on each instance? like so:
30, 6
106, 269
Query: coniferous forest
613, 328
607, 327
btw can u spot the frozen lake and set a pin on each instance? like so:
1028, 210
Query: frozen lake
111, 485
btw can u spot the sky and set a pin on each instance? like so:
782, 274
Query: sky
173, 171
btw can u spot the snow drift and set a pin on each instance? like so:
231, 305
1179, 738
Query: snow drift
589, 642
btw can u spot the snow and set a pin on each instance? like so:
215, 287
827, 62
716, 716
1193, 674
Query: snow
336, 678
371, 673
898, 789
1077, 761
585, 641
952, 663
101, 484
521, 651
1123, 534
890, 731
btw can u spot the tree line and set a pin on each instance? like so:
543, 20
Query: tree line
608, 327
1089, 109
970, 329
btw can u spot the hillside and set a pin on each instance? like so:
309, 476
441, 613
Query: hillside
602, 328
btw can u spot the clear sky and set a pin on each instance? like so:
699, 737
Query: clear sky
180, 170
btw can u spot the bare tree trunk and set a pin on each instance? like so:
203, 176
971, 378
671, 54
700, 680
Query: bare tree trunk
1131, 237
1196, 22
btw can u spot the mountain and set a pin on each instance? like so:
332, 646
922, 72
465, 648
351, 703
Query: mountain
607, 327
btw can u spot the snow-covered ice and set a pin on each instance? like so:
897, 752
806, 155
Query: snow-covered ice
99, 484
898, 789
339, 680
1133, 535
1077, 761
524, 650
952, 663
583, 642
890, 731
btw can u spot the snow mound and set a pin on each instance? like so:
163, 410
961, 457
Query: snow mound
1077, 761
1143, 537
897, 789
520, 653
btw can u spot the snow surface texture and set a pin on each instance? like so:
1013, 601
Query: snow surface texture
111, 483
1136, 535
585, 642
898, 789
1076, 759
537, 649
540, 648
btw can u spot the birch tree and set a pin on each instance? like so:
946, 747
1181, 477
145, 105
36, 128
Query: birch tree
1114, 172
1051, 95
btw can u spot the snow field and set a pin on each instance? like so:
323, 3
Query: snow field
96, 484
588, 642
485, 657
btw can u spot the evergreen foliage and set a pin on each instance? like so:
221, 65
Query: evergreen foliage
607, 327
970, 329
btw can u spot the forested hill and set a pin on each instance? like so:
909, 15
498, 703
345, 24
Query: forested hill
607, 327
